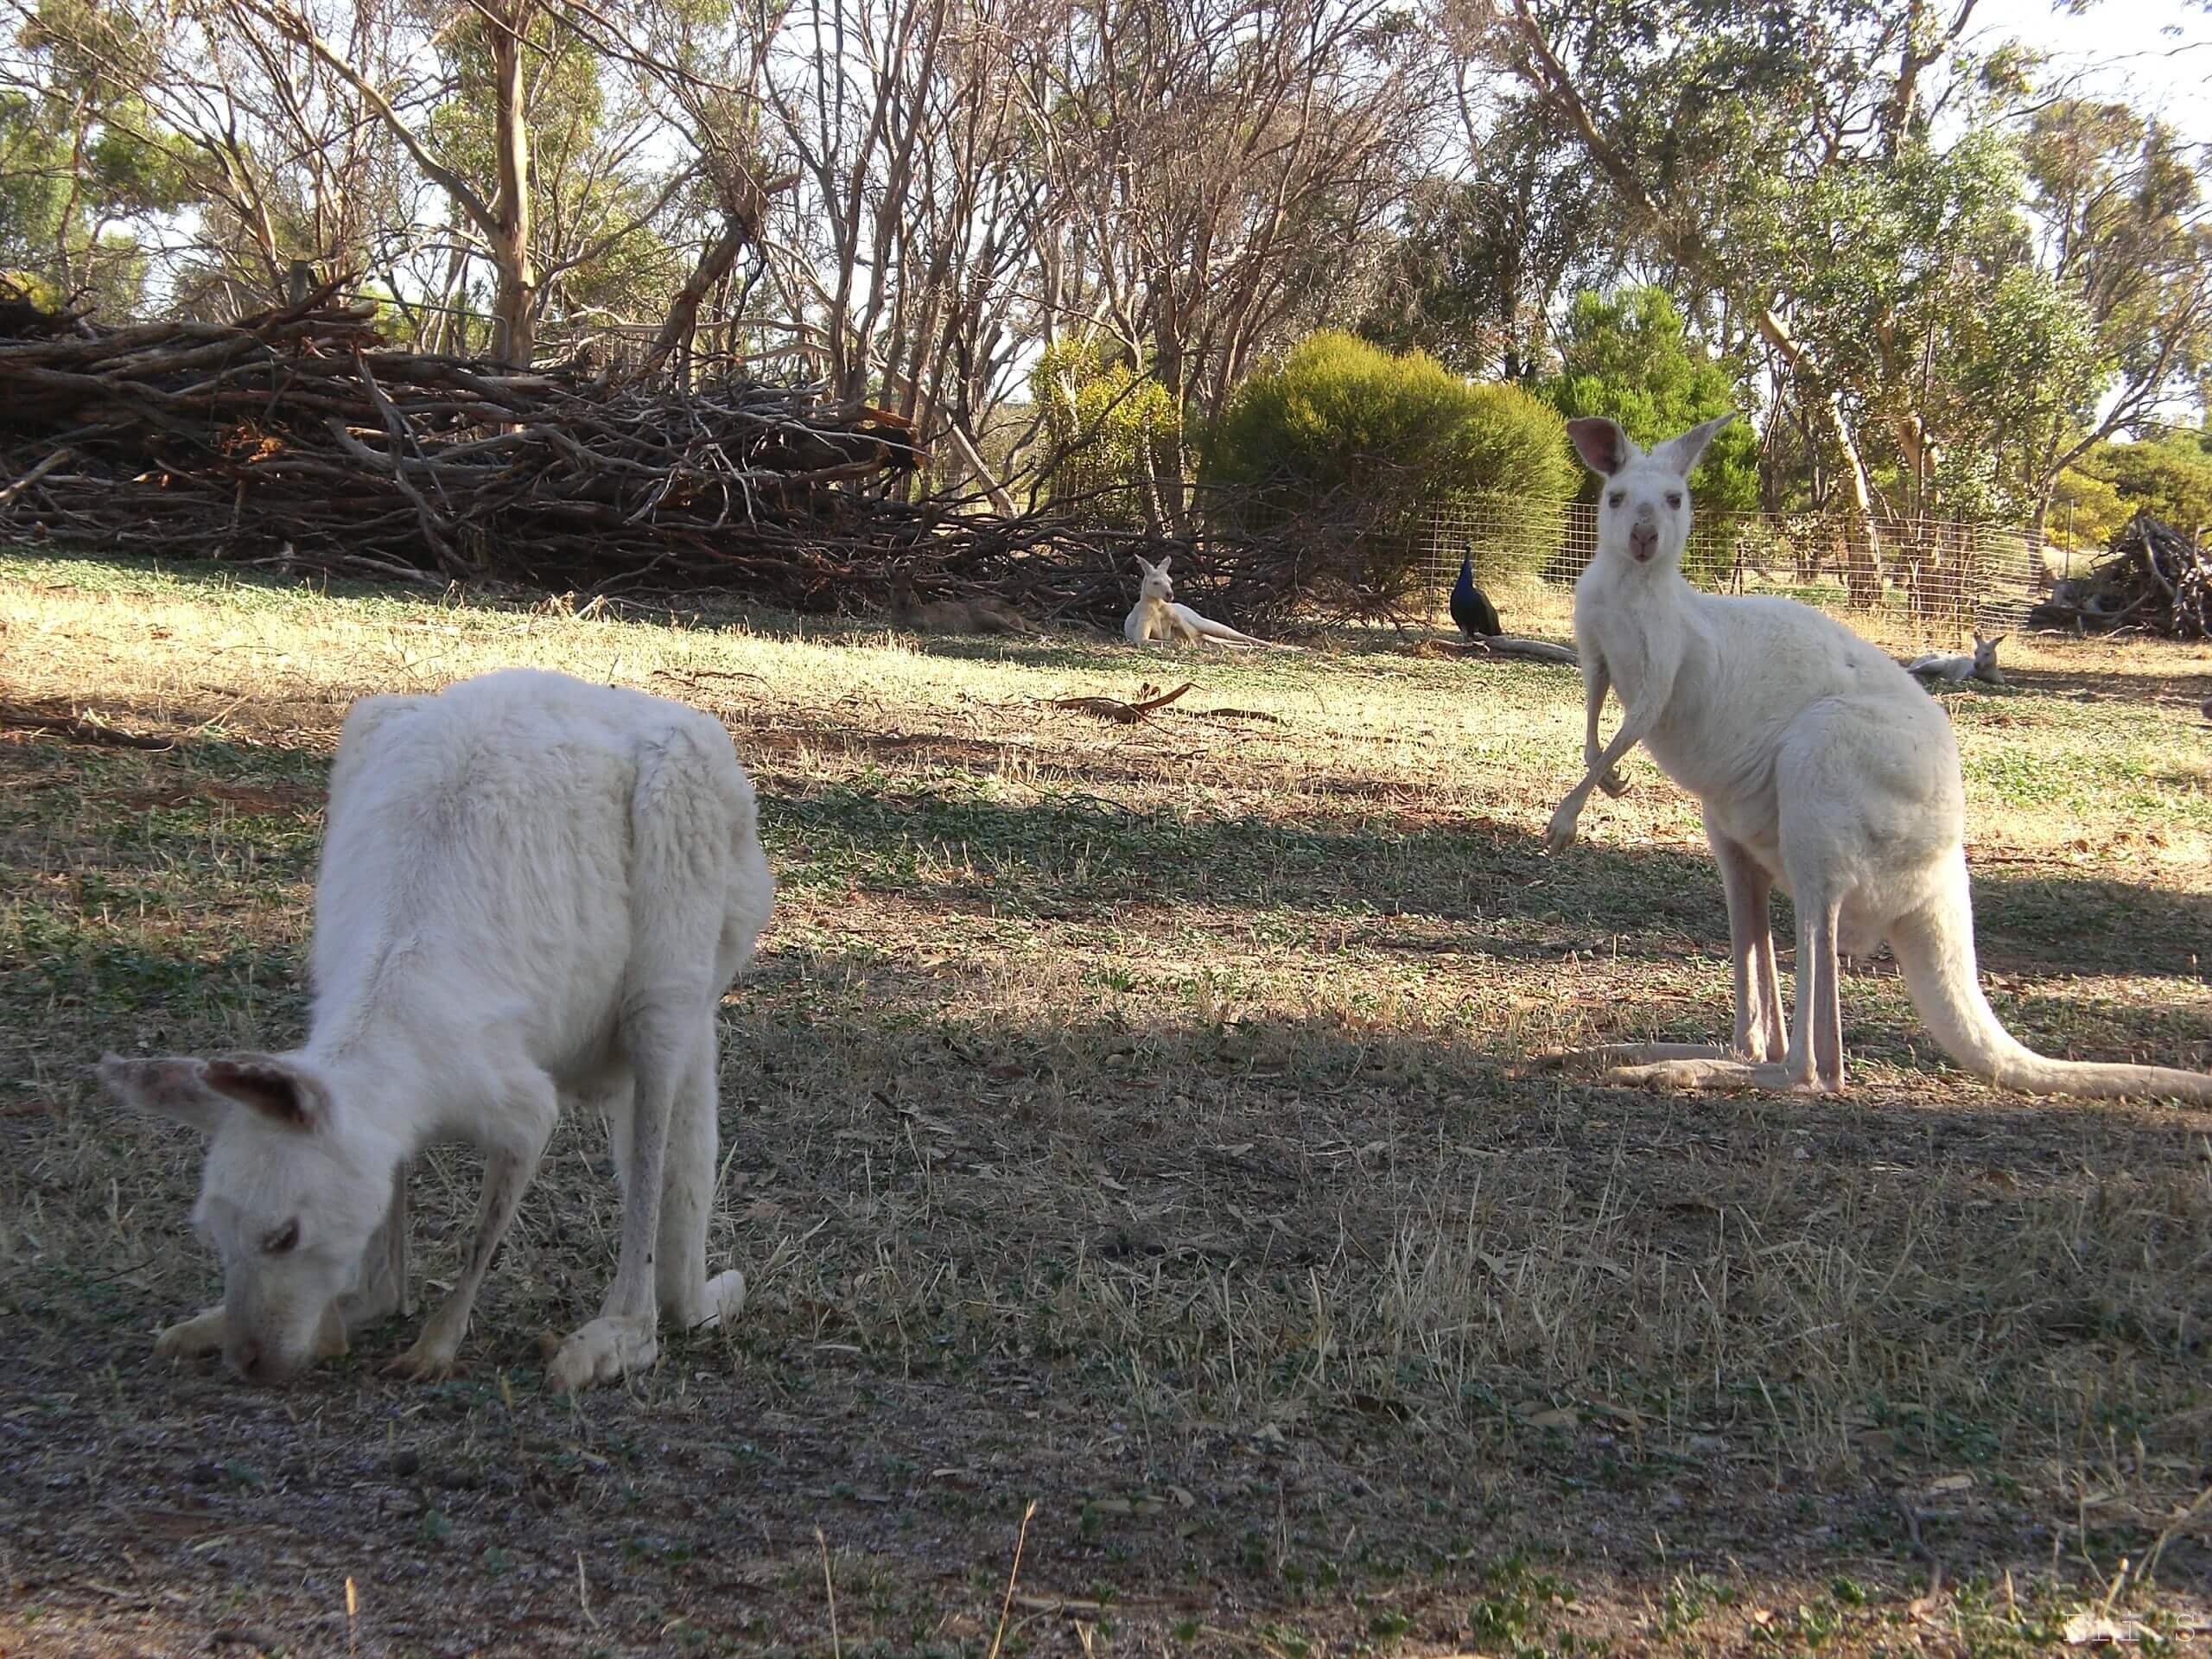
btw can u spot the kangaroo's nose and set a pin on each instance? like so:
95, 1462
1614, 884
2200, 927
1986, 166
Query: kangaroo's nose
1643, 540
246, 1359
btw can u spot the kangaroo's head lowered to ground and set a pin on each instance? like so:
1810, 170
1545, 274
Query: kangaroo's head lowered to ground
1643, 511
1155, 583
288, 1202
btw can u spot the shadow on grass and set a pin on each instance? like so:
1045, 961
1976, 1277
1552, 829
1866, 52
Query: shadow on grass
1054, 858
1081, 857
1339, 1279
2159, 672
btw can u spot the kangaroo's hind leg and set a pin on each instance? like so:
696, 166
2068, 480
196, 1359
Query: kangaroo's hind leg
688, 1299
681, 816
1761, 1032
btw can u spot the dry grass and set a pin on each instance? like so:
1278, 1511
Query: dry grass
1121, 1117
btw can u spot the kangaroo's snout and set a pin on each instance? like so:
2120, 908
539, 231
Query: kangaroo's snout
249, 1359
1644, 539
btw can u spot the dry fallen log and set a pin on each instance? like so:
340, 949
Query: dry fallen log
1498, 644
77, 729
2152, 578
1128, 713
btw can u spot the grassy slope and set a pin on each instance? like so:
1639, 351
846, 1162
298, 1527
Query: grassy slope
1120, 1117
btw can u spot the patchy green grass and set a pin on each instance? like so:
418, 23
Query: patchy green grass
1129, 1119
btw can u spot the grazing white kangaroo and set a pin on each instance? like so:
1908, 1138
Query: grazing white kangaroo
1979, 664
1822, 767
532, 893
1157, 616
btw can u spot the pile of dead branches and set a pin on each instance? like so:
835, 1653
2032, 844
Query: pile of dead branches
2153, 578
296, 440
293, 437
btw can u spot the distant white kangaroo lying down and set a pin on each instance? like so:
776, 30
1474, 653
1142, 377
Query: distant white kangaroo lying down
1822, 767
532, 895
1157, 616
1981, 664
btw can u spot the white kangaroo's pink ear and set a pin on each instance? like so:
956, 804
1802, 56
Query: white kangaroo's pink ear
204, 1093
1683, 453
1604, 449
174, 1087
1146, 566
1164, 562
276, 1089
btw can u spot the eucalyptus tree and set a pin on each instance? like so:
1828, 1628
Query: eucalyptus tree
1711, 121
1215, 169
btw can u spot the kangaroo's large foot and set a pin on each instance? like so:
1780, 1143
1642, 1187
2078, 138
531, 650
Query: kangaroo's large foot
1718, 1075
606, 1350
1609, 1056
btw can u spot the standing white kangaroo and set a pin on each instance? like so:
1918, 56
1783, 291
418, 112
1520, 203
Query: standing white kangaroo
1822, 767
532, 893
1157, 616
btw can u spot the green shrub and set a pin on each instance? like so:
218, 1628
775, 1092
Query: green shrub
1106, 418
1341, 426
1626, 355
2170, 476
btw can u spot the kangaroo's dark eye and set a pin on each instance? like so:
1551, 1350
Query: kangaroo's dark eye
279, 1240
1616, 497
1674, 499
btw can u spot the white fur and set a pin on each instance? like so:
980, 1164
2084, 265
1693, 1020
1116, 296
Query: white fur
1157, 616
533, 892
1822, 768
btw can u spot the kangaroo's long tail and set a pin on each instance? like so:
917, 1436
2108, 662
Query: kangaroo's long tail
1935, 948
1223, 631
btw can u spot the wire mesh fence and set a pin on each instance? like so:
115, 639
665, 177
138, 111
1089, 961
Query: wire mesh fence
1944, 572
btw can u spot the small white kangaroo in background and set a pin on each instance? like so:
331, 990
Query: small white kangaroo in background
1979, 665
1821, 768
1157, 616
532, 895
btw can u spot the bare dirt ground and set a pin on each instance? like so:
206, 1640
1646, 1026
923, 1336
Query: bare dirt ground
1127, 1121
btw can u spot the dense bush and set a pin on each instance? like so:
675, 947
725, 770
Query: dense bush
1111, 426
2170, 477
1626, 355
1343, 427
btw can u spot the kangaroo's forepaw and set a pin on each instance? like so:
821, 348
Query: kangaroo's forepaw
606, 1350
1614, 783
430, 1360
202, 1334
1816, 1085
1560, 834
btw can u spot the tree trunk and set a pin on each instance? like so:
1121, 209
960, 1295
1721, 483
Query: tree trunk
1862, 566
971, 455
514, 307
744, 205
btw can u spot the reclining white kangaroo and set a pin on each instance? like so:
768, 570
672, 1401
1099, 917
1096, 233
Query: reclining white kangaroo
1822, 767
1157, 616
532, 893
1980, 663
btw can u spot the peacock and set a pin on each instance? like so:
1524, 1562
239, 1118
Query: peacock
1471, 606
